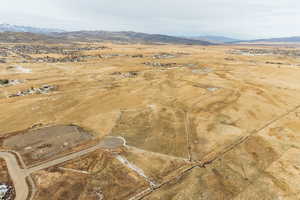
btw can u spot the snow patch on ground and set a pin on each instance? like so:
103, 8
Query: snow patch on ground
212, 89
133, 167
23, 70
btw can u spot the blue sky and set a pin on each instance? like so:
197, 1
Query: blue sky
234, 18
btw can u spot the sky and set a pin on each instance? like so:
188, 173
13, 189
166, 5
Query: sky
241, 19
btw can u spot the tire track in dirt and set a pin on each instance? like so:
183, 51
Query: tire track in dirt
187, 125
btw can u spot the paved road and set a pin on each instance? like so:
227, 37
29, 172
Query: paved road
19, 175
106, 143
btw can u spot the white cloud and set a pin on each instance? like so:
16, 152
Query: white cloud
244, 19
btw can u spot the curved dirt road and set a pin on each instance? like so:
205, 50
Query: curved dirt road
19, 175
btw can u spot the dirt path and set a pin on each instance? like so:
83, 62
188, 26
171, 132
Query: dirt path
19, 175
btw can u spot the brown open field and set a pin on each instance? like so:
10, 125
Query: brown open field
94, 175
38, 145
200, 122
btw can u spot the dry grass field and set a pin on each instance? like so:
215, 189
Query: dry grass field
200, 122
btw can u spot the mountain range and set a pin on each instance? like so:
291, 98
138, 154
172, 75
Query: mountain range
29, 29
214, 39
126, 36
294, 39
15, 33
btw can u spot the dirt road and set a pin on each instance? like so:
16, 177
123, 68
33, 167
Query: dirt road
17, 175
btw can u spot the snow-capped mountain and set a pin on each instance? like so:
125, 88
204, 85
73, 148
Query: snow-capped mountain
29, 29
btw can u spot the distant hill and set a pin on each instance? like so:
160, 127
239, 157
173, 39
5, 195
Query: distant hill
295, 39
214, 39
95, 36
25, 37
28, 29
127, 36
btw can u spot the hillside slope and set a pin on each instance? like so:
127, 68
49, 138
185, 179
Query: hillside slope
295, 39
127, 36
215, 39
27, 29
96, 36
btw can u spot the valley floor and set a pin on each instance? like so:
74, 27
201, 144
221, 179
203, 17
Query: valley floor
192, 122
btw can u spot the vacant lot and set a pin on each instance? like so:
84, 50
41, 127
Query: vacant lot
44, 143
